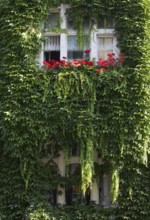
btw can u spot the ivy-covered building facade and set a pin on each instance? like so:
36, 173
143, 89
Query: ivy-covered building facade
61, 43
74, 110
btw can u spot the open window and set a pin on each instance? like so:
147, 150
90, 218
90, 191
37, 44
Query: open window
52, 48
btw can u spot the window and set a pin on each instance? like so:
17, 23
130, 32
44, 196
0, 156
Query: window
75, 149
64, 44
52, 20
105, 23
52, 48
72, 193
70, 26
74, 50
104, 191
105, 46
51, 195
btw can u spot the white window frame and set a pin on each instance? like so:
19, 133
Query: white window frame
93, 38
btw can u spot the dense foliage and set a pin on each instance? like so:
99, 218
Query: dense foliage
107, 111
80, 96
77, 212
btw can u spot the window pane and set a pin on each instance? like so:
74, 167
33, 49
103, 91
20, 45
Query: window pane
74, 50
52, 43
72, 43
70, 25
105, 23
109, 42
51, 55
75, 149
105, 46
52, 48
104, 190
75, 54
51, 196
72, 191
52, 20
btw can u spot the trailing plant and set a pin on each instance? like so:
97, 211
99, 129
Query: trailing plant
75, 212
101, 107
74, 90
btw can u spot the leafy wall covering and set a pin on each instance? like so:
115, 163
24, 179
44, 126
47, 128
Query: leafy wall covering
30, 104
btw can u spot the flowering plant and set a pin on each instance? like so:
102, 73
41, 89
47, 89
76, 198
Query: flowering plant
102, 65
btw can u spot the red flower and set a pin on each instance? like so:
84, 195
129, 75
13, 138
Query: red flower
90, 63
110, 55
83, 62
121, 55
74, 63
47, 64
87, 51
64, 58
111, 63
104, 63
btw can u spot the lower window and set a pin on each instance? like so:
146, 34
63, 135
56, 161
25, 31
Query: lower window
73, 189
52, 48
105, 46
74, 50
50, 55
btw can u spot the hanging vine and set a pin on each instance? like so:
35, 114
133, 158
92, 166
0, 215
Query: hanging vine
105, 111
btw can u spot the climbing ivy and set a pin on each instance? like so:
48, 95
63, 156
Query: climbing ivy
107, 112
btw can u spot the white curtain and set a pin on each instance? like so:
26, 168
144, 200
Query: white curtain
52, 43
105, 46
73, 46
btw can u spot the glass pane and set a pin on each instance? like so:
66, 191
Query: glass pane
101, 42
75, 149
52, 43
50, 55
52, 20
72, 43
108, 42
70, 23
105, 46
74, 50
51, 196
75, 54
105, 23
103, 54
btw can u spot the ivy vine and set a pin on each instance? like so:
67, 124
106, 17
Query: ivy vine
105, 112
